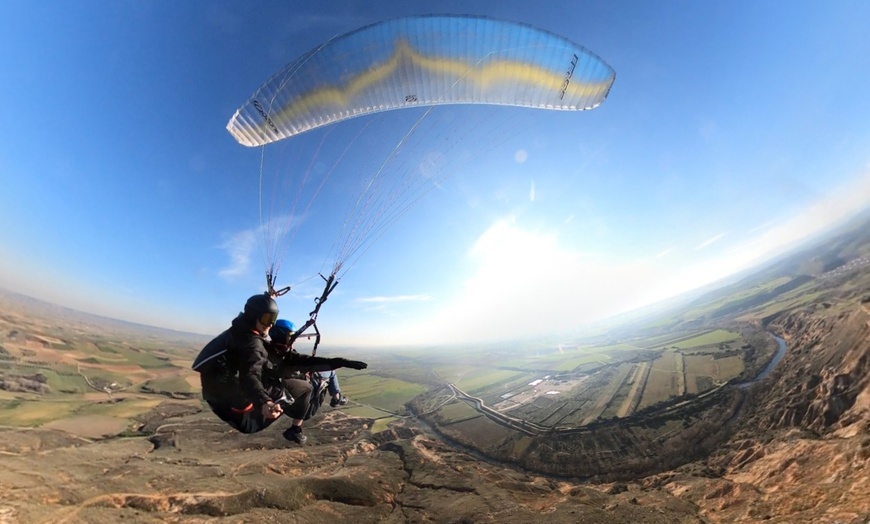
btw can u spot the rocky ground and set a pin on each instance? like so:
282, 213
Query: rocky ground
799, 453
193, 469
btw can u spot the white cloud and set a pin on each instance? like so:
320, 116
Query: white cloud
239, 247
394, 299
664, 253
520, 156
762, 227
532, 192
709, 241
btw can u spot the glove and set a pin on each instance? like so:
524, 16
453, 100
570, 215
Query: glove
345, 363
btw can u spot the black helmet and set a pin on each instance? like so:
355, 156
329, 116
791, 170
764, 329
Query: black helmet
263, 308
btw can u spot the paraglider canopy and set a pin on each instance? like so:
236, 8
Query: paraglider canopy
423, 61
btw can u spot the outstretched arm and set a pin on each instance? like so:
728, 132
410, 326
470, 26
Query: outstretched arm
345, 363
297, 362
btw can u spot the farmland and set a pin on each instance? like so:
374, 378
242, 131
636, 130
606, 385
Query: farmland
580, 385
94, 381
81, 377
388, 394
63, 370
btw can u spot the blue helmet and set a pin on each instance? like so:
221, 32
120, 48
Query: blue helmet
281, 331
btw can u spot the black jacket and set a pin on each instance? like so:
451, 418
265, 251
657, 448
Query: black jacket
236, 368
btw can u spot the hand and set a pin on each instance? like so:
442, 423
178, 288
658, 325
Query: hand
271, 410
353, 364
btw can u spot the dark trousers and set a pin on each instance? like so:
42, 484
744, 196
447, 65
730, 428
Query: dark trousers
251, 420
300, 390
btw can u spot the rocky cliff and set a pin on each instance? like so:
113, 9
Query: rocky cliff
802, 450
823, 383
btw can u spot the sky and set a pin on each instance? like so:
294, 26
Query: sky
733, 131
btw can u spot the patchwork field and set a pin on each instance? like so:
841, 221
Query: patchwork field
579, 385
90, 380
83, 378
389, 394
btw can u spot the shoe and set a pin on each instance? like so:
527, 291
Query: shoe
340, 401
294, 433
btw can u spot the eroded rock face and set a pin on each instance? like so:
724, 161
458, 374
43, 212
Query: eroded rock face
790, 479
820, 381
803, 452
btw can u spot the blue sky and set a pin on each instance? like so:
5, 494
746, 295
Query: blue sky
732, 132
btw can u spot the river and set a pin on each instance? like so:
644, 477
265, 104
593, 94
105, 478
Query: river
780, 352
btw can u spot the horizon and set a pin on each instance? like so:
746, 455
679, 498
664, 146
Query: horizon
626, 319
720, 146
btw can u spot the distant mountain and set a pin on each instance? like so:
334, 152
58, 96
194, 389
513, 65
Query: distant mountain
815, 257
10, 300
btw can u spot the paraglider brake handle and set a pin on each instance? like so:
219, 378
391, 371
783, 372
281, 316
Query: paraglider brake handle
270, 285
279, 292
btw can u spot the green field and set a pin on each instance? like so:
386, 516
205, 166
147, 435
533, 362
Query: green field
475, 380
737, 297
365, 412
717, 370
65, 383
63, 378
662, 382
707, 339
173, 384
58, 382
607, 393
456, 412
104, 359
573, 363
381, 424
128, 408
34, 413
787, 304
385, 393
143, 359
